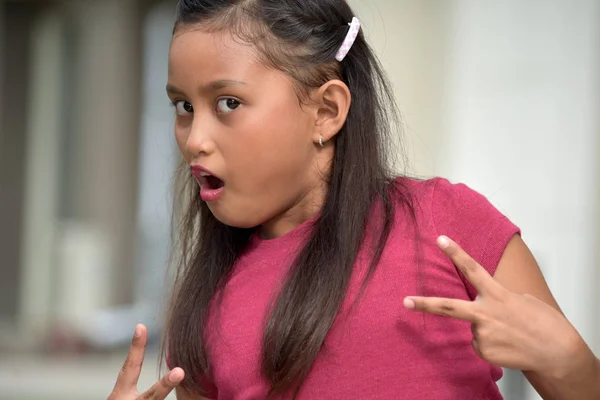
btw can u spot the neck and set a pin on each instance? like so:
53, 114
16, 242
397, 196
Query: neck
308, 206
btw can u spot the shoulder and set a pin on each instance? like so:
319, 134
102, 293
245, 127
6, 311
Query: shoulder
463, 214
446, 202
437, 190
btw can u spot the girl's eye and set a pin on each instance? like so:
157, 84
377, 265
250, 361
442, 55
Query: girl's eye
227, 105
183, 108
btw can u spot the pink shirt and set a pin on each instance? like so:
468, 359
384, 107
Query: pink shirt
376, 350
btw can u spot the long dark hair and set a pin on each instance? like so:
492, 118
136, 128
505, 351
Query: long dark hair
300, 38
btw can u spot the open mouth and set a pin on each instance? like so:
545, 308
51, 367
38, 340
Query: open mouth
211, 182
208, 181
211, 186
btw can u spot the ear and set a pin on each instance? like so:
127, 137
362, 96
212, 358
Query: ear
332, 104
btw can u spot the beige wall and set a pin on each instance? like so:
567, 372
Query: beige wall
412, 41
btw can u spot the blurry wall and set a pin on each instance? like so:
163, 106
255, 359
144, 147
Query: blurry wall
13, 100
158, 157
70, 158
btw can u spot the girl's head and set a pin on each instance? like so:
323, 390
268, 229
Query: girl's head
257, 88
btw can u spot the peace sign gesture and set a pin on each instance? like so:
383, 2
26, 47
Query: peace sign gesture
510, 330
126, 385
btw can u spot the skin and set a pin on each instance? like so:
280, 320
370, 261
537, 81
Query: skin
126, 385
259, 141
244, 122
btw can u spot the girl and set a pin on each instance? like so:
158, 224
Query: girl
301, 253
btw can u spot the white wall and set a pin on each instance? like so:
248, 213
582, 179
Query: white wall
522, 103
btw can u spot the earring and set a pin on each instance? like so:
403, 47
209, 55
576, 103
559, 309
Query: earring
321, 141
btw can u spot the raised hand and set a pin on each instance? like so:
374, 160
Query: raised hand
510, 330
127, 381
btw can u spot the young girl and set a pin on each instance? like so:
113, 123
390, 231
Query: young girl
302, 254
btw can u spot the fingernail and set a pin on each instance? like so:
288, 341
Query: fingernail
174, 376
443, 242
409, 304
138, 331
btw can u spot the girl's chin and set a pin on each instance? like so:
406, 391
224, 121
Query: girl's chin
235, 219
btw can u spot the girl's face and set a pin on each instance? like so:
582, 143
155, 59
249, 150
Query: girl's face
241, 128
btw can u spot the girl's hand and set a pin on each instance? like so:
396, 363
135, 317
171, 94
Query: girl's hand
510, 330
126, 385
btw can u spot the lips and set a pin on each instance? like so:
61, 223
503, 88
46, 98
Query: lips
211, 186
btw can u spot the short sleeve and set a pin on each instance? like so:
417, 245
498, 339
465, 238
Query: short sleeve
468, 218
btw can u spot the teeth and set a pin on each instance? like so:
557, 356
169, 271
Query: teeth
204, 174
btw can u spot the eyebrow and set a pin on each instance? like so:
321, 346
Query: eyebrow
215, 85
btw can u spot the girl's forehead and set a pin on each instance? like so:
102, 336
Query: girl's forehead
211, 52
213, 43
200, 58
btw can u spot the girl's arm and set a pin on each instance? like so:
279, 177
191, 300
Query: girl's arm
518, 325
578, 376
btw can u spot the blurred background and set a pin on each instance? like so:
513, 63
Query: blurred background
501, 95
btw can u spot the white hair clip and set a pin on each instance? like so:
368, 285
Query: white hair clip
349, 41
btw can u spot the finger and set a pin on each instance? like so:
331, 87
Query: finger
130, 372
459, 309
162, 388
481, 280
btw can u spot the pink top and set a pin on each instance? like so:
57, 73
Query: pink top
376, 350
